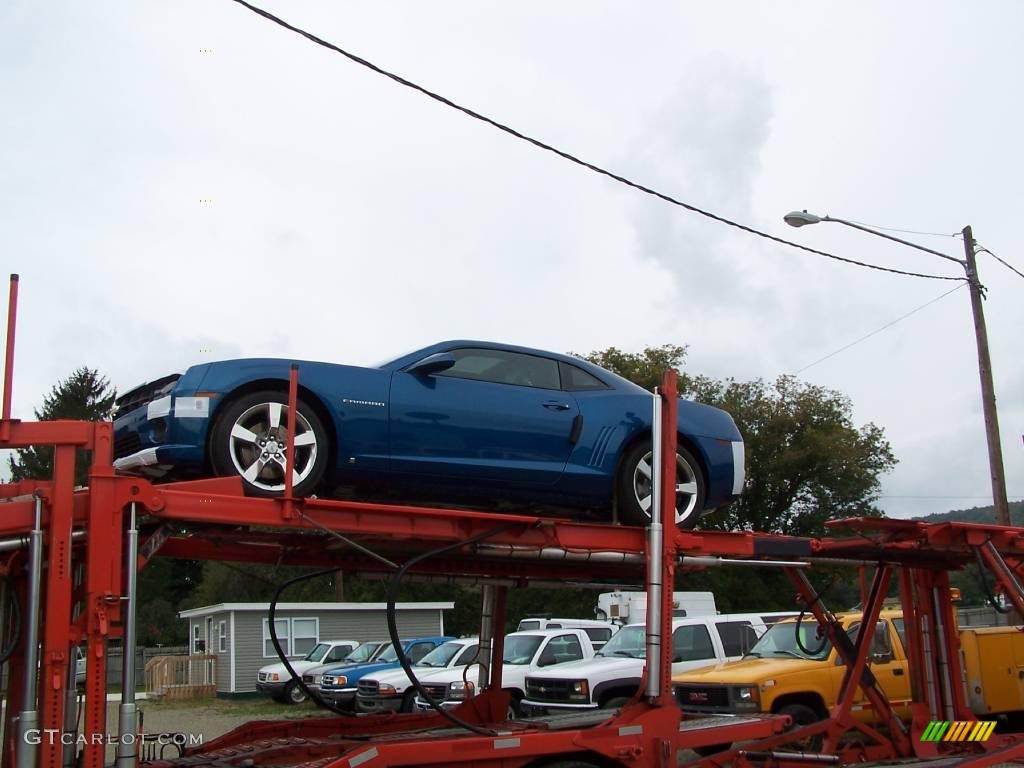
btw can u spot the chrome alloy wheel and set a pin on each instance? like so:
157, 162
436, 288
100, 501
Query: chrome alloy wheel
687, 491
259, 442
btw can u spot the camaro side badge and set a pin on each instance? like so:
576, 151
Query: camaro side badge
376, 403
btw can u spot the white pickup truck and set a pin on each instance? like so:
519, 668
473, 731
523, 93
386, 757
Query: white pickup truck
613, 676
525, 653
392, 690
275, 680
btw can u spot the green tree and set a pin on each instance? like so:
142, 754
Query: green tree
644, 368
85, 395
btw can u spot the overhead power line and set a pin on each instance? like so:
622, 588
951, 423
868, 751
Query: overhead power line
1008, 266
879, 330
570, 157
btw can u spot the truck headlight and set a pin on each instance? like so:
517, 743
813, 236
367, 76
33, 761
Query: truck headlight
580, 690
747, 696
461, 690
273, 677
386, 689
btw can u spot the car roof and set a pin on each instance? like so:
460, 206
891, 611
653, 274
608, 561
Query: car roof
545, 632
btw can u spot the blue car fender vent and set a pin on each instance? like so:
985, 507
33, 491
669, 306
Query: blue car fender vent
601, 446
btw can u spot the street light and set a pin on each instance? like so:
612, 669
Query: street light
988, 396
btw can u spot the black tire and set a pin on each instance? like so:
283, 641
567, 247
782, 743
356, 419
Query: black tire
514, 711
803, 715
408, 701
616, 702
293, 694
264, 447
630, 486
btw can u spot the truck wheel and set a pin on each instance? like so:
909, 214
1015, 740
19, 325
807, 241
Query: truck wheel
634, 487
616, 702
249, 439
409, 701
293, 693
803, 715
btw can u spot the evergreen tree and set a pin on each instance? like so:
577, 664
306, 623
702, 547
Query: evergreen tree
86, 396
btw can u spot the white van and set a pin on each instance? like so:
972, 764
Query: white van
599, 632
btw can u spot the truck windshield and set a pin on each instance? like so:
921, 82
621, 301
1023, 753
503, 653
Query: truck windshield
363, 653
388, 655
520, 649
628, 641
317, 653
440, 656
780, 641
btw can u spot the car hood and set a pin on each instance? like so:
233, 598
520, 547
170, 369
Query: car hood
400, 680
620, 666
300, 667
747, 671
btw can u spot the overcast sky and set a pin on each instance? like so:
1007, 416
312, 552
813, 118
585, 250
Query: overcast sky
351, 218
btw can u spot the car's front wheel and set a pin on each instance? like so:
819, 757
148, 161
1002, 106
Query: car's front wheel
250, 439
635, 486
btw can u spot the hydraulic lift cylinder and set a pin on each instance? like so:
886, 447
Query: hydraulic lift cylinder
487, 599
28, 754
127, 725
654, 561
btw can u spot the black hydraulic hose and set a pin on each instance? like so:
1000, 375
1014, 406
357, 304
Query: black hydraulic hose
989, 595
6, 653
296, 677
393, 585
800, 618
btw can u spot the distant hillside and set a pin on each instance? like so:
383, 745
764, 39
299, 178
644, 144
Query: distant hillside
976, 515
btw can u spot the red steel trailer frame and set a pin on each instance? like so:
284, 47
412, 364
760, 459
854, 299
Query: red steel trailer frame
84, 531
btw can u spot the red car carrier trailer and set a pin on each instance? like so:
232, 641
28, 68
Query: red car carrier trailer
69, 559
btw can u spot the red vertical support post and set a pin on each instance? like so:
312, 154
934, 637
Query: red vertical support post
57, 619
669, 394
12, 314
103, 588
498, 640
15, 677
293, 421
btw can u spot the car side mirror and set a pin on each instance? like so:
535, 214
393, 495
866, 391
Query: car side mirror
881, 658
436, 363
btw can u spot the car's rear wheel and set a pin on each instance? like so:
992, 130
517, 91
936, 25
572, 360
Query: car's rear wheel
635, 486
250, 439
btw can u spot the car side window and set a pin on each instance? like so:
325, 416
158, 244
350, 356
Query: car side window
692, 643
575, 379
600, 634
737, 636
339, 652
881, 644
501, 367
901, 630
468, 655
419, 650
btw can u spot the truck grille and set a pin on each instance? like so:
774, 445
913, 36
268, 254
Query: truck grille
262, 676
127, 444
700, 696
436, 692
368, 688
308, 679
546, 689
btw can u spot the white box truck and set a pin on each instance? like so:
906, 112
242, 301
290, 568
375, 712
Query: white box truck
631, 607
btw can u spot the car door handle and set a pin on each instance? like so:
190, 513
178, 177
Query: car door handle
553, 405
897, 672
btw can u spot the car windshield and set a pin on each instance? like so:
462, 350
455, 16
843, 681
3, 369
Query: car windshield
440, 656
780, 641
529, 624
363, 653
519, 649
389, 655
317, 653
628, 641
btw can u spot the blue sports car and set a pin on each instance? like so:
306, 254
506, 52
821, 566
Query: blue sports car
462, 421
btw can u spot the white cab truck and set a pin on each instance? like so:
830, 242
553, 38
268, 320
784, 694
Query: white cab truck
597, 630
525, 653
613, 676
275, 680
392, 690
631, 607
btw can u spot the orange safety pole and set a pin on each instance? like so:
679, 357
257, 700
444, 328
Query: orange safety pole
12, 313
669, 424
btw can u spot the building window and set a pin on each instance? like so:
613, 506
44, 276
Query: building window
222, 637
297, 636
305, 635
198, 645
283, 629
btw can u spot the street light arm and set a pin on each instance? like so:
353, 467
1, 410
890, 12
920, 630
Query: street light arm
961, 262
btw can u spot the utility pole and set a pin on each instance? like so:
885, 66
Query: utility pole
988, 395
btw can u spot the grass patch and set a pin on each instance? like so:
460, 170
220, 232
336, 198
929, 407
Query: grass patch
236, 707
